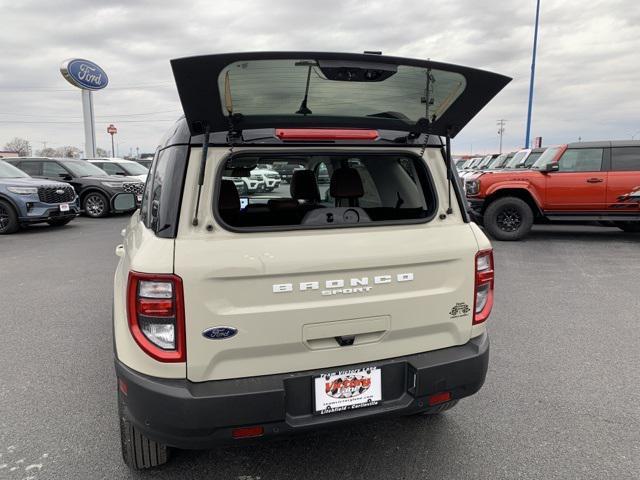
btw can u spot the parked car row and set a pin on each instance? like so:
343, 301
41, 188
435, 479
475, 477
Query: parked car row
56, 190
576, 182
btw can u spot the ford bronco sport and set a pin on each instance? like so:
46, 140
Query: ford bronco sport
579, 182
361, 295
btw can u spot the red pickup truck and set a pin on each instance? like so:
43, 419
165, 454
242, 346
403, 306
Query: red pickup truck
576, 182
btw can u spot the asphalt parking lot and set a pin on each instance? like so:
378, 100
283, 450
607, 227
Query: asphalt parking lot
561, 398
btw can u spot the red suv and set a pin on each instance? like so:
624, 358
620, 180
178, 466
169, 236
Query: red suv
578, 182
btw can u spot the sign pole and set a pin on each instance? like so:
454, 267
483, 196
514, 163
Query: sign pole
113, 152
112, 130
89, 124
533, 74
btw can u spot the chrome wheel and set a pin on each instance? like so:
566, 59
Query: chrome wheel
95, 205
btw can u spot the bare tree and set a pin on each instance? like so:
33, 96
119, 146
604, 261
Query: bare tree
68, 151
20, 145
47, 152
101, 153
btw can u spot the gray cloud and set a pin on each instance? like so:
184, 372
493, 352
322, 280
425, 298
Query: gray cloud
586, 81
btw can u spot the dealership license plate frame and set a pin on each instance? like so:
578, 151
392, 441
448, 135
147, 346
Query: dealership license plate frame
64, 207
324, 404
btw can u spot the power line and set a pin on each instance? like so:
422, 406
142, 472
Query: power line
62, 122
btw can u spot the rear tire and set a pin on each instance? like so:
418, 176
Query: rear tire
8, 218
508, 218
629, 227
139, 452
59, 222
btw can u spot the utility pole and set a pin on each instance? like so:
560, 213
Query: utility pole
137, 152
533, 74
501, 123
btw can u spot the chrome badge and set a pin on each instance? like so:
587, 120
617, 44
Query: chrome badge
219, 333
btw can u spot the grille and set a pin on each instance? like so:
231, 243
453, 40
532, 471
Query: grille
56, 194
272, 175
137, 188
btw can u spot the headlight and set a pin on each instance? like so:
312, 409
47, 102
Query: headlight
112, 184
472, 187
23, 190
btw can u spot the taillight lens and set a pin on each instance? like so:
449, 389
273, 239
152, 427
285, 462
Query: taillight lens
155, 309
483, 301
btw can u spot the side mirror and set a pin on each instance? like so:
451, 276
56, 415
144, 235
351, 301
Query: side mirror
65, 176
552, 167
121, 174
123, 202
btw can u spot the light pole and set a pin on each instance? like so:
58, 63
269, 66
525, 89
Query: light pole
501, 123
533, 74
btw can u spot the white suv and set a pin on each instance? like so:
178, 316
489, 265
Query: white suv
362, 291
121, 167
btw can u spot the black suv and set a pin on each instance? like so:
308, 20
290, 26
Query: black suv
94, 186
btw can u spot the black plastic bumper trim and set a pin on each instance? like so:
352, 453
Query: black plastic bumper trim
185, 414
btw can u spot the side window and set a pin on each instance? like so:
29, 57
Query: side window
31, 168
581, 160
625, 159
53, 169
111, 168
146, 197
163, 191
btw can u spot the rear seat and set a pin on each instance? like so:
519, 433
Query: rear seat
278, 211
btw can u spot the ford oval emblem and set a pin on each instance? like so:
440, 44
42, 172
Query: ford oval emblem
219, 333
84, 74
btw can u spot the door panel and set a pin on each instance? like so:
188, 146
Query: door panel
623, 187
579, 184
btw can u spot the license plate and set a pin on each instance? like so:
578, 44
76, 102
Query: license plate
347, 390
139, 197
64, 207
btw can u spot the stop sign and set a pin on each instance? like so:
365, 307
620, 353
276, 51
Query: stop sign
111, 129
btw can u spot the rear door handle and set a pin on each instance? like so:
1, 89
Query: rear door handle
595, 180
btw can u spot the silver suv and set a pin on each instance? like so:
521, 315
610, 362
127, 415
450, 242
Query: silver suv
358, 290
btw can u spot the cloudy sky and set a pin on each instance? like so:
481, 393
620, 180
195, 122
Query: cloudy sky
587, 82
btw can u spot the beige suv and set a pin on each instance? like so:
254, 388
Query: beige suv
359, 290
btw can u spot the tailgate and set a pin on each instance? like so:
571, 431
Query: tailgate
307, 300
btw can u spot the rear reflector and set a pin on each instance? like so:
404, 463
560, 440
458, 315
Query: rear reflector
325, 134
438, 398
247, 432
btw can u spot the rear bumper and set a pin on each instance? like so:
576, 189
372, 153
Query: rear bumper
183, 414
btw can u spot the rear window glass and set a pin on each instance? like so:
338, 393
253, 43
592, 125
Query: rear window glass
324, 191
325, 88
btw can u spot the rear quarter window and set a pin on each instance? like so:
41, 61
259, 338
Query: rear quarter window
163, 191
625, 159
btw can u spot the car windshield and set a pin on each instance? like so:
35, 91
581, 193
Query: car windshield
531, 159
498, 161
517, 158
134, 168
547, 157
82, 168
9, 171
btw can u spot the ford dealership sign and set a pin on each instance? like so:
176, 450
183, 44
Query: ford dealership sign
84, 74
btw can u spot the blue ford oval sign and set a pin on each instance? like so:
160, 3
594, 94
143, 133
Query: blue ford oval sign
219, 333
84, 74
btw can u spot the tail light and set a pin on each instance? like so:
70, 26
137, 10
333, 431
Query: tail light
325, 134
483, 301
155, 309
